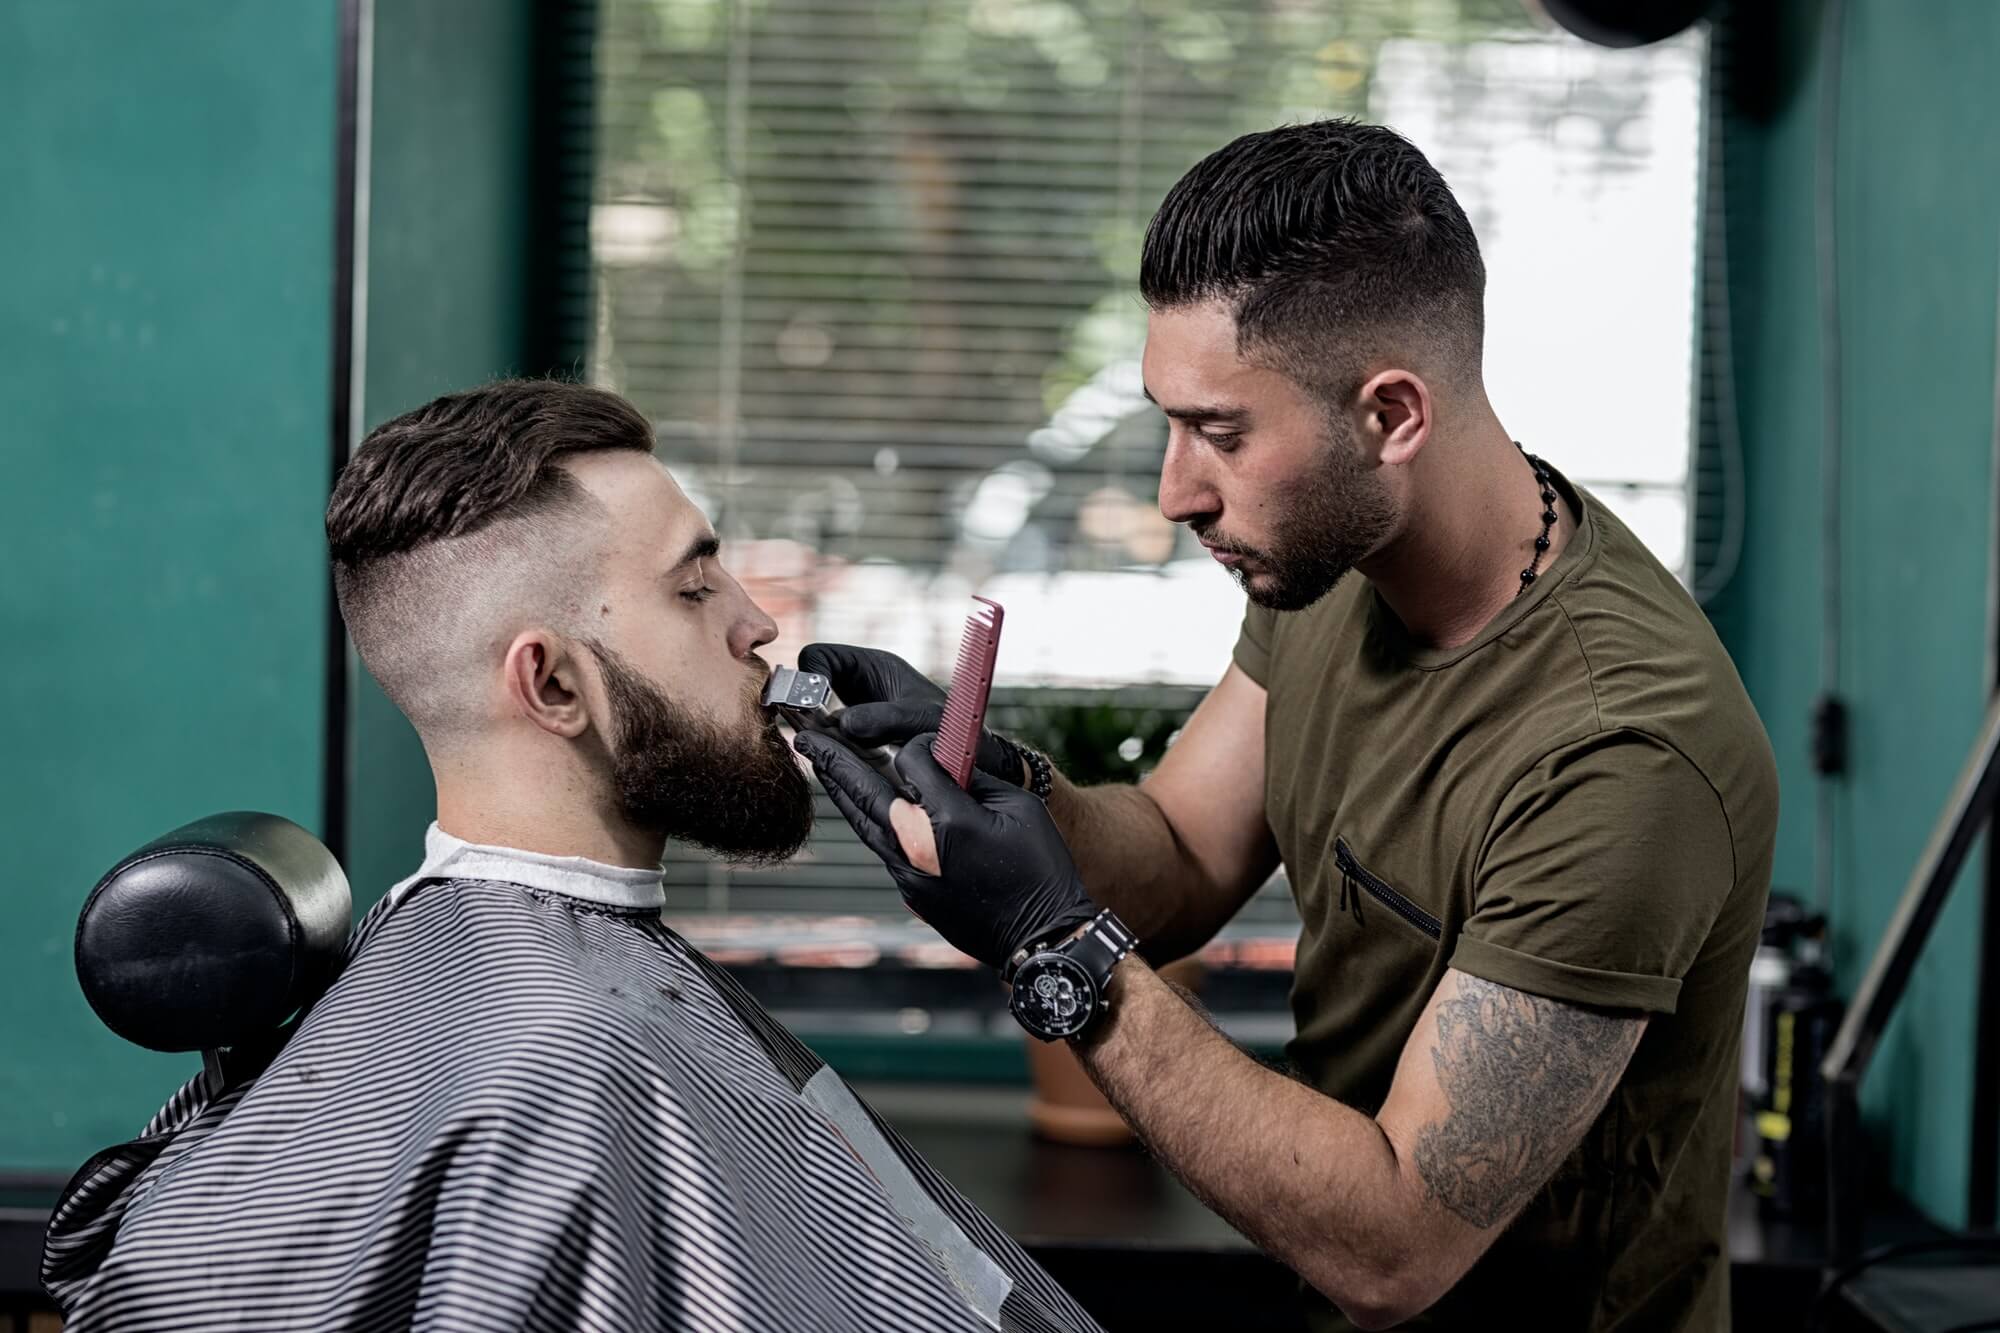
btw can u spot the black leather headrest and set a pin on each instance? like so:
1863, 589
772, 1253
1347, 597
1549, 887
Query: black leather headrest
213, 935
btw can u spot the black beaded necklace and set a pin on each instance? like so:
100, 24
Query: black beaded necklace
1548, 516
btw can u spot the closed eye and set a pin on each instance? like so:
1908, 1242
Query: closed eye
1222, 439
698, 594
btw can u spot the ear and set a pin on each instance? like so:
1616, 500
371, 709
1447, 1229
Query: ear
543, 680
1396, 406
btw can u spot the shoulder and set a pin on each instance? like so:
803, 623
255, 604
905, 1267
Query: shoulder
1656, 667
505, 967
1634, 625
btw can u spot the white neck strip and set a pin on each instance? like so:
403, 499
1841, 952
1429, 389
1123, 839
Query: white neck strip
446, 857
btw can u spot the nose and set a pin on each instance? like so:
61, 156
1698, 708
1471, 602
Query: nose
1185, 492
752, 629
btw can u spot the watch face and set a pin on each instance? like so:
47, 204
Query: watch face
1053, 996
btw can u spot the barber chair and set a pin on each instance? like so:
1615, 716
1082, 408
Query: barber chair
215, 938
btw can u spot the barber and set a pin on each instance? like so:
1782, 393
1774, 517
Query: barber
1523, 801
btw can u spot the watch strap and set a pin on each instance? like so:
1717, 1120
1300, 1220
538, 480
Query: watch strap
1100, 944
1103, 945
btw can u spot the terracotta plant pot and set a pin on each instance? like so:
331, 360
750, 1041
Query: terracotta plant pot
1066, 1106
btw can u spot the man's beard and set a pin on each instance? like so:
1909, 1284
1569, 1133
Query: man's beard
1337, 515
736, 791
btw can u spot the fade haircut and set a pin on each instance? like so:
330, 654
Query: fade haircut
456, 526
1331, 243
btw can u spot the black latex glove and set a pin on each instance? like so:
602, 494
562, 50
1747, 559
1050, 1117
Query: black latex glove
888, 701
1005, 878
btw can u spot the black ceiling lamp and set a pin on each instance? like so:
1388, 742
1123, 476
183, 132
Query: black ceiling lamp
1623, 22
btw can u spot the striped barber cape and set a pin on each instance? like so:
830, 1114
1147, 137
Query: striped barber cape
524, 1103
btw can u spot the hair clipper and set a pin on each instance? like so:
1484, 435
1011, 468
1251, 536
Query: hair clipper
799, 697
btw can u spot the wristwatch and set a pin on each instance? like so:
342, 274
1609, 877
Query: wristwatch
1059, 985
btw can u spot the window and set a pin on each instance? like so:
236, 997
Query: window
870, 266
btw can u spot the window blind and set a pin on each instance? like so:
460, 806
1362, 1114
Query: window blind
870, 266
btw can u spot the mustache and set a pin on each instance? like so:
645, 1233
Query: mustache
1215, 541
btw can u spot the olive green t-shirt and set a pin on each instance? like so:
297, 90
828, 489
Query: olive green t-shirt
1580, 803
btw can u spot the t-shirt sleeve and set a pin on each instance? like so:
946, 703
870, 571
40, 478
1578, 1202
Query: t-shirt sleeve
1602, 873
1253, 643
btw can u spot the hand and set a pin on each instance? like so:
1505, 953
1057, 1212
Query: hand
888, 701
1004, 877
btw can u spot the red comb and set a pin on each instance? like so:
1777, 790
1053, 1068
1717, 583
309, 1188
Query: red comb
965, 703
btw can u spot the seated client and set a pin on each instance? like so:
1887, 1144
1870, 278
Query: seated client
524, 1103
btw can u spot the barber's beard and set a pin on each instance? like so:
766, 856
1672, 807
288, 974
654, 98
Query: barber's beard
1337, 515
737, 791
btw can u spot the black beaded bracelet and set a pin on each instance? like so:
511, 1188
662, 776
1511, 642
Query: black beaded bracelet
1041, 773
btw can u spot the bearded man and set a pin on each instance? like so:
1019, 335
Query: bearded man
524, 1103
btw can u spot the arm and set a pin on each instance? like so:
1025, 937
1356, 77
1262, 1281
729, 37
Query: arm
1179, 854
1621, 839
1601, 874
1383, 1215
1495, 1085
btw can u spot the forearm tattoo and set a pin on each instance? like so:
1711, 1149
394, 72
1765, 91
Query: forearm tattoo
1524, 1077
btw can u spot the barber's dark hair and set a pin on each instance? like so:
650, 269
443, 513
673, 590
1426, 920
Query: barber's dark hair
462, 461
449, 515
1327, 240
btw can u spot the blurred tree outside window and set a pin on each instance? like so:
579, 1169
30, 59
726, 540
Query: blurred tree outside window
871, 268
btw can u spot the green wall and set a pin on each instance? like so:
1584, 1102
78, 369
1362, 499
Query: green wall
448, 254
165, 358
166, 215
1918, 221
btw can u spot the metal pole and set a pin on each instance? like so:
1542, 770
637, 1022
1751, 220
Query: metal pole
1966, 812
